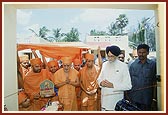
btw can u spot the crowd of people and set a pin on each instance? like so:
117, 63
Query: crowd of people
86, 86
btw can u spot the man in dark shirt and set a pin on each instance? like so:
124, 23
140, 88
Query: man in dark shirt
143, 77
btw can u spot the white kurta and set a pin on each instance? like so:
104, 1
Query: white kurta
117, 73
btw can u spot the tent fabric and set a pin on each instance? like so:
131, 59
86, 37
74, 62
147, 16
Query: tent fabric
54, 51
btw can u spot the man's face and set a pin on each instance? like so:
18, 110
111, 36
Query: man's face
66, 67
111, 57
121, 57
142, 54
89, 63
37, 68
53, 68
25, 64
77, 67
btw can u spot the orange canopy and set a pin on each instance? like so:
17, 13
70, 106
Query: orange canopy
54, 51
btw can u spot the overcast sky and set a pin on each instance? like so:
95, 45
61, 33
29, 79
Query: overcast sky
82, 19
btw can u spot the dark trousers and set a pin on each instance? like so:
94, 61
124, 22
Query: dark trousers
143, 107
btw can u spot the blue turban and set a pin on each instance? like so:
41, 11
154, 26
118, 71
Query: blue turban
115, 50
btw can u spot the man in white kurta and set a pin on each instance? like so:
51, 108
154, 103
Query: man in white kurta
114, 79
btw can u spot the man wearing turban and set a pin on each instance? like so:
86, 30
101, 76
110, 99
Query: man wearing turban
66, 80
114, 79
88, 83
53, 66
33, 80
77, 64
24, 65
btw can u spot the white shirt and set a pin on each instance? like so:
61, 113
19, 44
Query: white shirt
117, 73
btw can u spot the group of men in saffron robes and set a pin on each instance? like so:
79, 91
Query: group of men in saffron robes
76, 86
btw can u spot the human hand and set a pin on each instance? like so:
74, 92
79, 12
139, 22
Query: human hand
36, 96
98, 49
67, 81
92, 92
102, 83
89, 88
106, 83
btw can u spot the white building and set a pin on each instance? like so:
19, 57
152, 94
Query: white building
104, 41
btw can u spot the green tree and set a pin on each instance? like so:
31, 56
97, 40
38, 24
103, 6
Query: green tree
142, 30
72, 36
113, 29
93, 32
121, 22
145, 33
57, 35
42, 33
98, 33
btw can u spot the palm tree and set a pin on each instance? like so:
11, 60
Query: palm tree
72, 36
57, 35
121, 22
42, 33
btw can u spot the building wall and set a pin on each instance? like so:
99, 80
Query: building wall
9, 75
120, 41
160, 54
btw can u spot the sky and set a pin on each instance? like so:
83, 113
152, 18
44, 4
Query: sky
82, 19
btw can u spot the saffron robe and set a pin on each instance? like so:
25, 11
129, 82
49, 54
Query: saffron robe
32, 83
66, 93
88, 81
